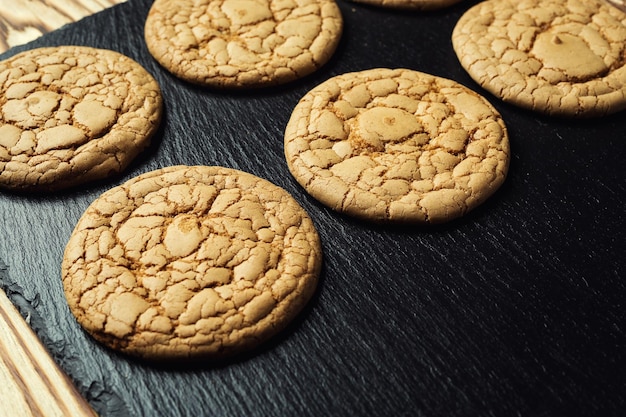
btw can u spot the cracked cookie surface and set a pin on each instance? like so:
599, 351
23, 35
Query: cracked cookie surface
397, 146
559, 57
71, 114
410, 4
242, 43
188, 262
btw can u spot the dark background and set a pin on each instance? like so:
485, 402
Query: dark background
515, 310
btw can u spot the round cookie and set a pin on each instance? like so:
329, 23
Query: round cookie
558, 57
410, 4
72, 114
190, 262
242, 43
397, 146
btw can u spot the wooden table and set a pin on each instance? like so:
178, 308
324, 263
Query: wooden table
22, 21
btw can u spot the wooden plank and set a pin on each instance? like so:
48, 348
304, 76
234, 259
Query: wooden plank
22, 21
29, 376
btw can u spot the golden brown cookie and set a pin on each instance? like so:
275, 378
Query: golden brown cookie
188, 262
72, 114
410, 4
559, 57
397, 146
242, 43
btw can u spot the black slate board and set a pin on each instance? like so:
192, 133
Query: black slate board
515, 310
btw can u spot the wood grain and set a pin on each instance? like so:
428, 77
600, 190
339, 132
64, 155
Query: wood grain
22, 21
29, 376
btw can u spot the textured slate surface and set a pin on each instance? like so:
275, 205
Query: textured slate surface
517, 309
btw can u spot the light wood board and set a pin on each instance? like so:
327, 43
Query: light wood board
29, 377
22, 21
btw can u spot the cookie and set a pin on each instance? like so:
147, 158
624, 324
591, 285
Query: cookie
557, 57
190, 262
72, 114
242, 43
410, 4
397, 146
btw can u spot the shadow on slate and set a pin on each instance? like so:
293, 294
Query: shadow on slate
516, 309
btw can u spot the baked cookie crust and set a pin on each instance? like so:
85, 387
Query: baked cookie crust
397, 146
558, 57
190, 262
72, 114
243, 43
